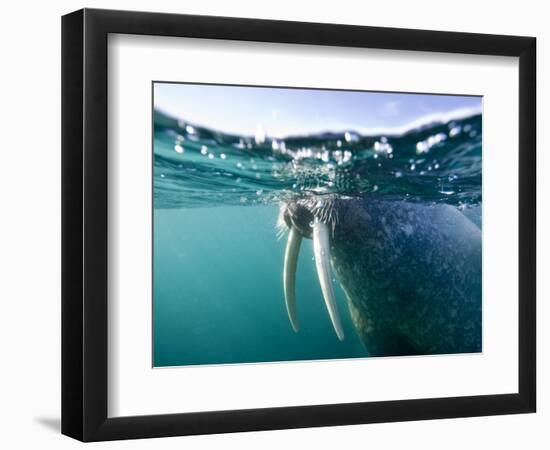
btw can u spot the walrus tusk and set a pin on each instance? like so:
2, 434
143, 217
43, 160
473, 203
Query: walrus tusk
321, 249
289, 275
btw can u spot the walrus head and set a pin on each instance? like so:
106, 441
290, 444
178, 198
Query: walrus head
313, 218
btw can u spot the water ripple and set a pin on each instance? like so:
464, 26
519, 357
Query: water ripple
196, 166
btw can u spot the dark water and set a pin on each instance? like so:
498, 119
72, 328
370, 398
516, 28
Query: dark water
218, 293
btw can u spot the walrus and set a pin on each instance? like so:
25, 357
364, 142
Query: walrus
411, 271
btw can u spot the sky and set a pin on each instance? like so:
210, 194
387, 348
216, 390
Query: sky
281, 112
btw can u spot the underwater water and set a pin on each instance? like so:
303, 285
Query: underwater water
218, 254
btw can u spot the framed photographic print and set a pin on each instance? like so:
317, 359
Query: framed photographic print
273, 224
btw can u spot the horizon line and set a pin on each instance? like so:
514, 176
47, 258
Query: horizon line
428, 119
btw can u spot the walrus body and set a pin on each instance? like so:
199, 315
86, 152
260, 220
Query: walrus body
411, 273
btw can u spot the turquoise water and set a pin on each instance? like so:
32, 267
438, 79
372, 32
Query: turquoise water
218, 261
219, 295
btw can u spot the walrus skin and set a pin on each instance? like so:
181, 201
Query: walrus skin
411, 272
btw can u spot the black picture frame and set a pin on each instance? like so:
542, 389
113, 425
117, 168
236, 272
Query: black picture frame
84, 224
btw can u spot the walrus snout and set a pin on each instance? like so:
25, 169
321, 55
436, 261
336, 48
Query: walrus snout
303, 212
296, 215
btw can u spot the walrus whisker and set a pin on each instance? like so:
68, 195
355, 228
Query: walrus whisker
289, 275
321, 249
